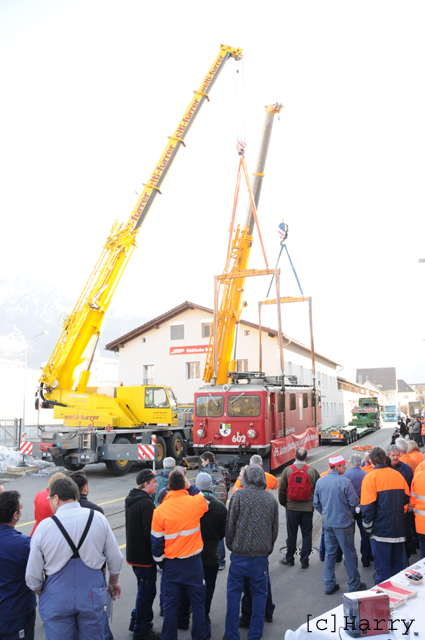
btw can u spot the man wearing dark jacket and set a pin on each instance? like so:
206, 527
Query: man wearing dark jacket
384, 496
299, 513
139, 508
213, 529
82, 483
251, 531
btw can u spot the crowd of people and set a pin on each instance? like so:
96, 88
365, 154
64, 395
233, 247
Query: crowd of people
176, 529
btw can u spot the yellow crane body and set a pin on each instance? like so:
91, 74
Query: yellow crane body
232, 289
59, 387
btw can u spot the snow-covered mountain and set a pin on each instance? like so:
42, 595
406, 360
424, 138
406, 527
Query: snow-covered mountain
29, 307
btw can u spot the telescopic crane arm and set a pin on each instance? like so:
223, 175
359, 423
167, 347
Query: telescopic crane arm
85, 321
231, 304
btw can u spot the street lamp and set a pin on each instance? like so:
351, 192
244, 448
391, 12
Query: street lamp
43, 333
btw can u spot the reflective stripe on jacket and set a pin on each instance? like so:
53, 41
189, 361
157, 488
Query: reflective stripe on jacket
417, 501
176, 529
383, 498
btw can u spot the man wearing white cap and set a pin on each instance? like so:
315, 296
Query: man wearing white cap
334, 497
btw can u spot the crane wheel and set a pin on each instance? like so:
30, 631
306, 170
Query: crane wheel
119, 467
175, 447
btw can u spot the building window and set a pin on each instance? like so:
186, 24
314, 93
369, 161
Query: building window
177, 332
247, 332
193, 370
149, 374
241, 365
206, 329
292, 402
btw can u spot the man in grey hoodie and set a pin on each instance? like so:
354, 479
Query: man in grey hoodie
251, 531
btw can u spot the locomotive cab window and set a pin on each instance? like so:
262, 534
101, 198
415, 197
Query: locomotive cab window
279, 402
243, 405
305, 400
209, 406
292, 402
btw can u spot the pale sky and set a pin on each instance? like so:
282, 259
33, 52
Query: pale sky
92, 88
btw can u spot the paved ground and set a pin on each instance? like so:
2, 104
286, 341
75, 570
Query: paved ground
296, 592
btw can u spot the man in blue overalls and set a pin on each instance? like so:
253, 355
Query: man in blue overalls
70, 548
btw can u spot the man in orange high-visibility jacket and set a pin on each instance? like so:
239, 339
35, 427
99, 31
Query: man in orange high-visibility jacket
272, 482
176, 546
417, 501
384, 496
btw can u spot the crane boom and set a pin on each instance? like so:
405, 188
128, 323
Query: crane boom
232, 292
85, 321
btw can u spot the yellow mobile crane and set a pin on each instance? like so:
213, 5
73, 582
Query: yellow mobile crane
141, 411
222, 337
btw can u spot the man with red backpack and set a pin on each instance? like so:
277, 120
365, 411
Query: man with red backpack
296, 492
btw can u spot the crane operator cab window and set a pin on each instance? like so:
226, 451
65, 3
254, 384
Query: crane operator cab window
156, 398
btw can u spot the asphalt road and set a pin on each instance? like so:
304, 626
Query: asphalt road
296, 592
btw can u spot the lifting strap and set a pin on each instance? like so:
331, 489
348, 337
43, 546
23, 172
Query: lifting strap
68, 537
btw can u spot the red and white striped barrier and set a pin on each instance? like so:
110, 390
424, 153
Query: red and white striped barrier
25, 447
146, 452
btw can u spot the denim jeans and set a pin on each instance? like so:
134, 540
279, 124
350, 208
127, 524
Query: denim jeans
146, 592
365, 548
344, 536
210, 576
256, 571
322, 549
303, 520
421, 537
389, 558
176, 574
246, 608
222, 553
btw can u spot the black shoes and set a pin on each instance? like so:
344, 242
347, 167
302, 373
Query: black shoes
336, 588
289, 563
362, 587
243, 624
268, 618
305, 566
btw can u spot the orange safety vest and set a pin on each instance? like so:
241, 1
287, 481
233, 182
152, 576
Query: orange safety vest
417, 456
417, 501
272, 483
176, 528
423, 428
407, 459
420, 467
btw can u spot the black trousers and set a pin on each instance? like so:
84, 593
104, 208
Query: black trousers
303, 520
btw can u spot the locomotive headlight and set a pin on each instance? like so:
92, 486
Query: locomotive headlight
252, 433
200, 433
